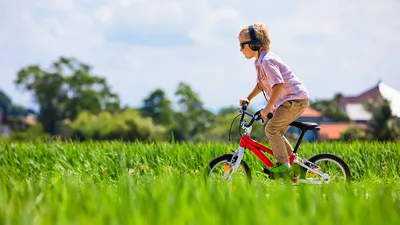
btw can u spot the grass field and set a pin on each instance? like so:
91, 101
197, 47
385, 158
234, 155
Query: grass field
161, 183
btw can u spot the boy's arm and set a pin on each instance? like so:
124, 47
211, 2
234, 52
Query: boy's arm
276, 92
254, 93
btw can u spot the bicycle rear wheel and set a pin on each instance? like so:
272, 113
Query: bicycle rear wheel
329, 164
220, 170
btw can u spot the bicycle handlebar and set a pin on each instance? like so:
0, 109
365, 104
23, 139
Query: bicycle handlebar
256, 116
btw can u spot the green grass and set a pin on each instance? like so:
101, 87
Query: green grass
161, 183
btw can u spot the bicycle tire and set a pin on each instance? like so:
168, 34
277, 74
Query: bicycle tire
330, 157
227, 158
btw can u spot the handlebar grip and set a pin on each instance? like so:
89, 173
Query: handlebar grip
270, 115
245, 104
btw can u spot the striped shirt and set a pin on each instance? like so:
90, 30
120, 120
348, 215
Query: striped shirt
272, 70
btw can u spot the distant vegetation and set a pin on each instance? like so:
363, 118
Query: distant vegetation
76, 104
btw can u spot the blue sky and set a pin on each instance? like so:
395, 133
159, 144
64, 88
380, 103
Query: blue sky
139, 45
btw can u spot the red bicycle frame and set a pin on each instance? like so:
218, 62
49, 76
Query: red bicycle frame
258, 149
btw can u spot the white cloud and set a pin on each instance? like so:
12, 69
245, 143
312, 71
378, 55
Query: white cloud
57, 5
332, 45
104, 14
139, 12
216, 26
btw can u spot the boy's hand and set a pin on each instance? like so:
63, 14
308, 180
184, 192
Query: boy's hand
243, 100
265, 111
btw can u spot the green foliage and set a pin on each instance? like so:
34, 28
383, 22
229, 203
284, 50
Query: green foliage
383, 125
192, 120
64, 90
227, 128
331, 108
126, 125
68, 91
32, 133
221, 128
352, 133
158, 107
5, 100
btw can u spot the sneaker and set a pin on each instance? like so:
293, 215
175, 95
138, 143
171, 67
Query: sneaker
277, 171
278, 168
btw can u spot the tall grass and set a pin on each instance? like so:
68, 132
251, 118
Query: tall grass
108, 160
184, 199
161, 183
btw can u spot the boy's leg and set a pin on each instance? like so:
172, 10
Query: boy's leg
278, 125
289, 147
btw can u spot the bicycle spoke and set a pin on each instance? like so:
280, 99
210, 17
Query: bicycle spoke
222, 171
326, 166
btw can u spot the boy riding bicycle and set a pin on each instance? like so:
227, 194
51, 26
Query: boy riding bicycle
286, 95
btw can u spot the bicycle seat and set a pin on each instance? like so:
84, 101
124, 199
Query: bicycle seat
305, 125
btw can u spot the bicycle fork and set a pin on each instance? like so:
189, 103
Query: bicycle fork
239, 153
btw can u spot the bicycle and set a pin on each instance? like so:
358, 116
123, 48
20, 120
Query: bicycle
315, 166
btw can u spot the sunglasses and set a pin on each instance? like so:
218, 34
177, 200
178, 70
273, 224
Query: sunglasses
243, 43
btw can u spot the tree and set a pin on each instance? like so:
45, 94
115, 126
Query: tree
5, 100
158, 107
189, 102
352, 133
5, 103
192, 119
64, 90
331, 108
383, 126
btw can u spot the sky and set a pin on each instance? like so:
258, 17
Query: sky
333, 46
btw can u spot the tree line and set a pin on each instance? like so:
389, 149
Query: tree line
76, 104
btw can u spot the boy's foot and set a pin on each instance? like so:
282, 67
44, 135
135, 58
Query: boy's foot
277, 171
279, 168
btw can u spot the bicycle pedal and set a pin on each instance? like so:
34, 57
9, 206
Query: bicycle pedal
266, 171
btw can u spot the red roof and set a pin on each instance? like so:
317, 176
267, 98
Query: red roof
310, 112
332, 130
31, 120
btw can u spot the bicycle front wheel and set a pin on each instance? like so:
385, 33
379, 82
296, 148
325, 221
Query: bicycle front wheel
333, 168
220, 169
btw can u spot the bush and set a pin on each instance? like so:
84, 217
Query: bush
127, 125
352, 133
32, 133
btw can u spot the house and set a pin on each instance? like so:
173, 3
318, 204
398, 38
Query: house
332, 131
354, 105
329, 130
7, 122
309, 115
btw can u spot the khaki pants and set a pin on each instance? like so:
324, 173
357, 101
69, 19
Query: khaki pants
275, 129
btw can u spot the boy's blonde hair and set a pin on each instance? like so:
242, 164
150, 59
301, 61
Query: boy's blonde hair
261, 33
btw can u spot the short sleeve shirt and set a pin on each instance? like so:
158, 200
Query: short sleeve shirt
271, 70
